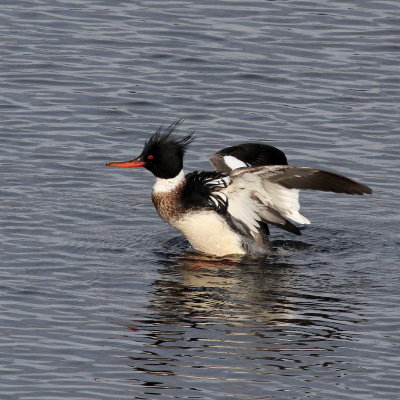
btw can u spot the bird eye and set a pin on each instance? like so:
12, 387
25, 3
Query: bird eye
150, 157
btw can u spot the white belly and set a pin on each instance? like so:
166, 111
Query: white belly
208, 232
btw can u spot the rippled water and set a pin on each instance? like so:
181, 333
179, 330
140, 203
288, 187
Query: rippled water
99, 298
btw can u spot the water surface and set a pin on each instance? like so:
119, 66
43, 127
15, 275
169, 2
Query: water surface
99, 298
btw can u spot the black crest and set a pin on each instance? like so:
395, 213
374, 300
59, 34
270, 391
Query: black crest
164, 139
163, 152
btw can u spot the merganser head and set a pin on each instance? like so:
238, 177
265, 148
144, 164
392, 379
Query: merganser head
162, 154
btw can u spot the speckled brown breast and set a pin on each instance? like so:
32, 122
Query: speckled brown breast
168, 204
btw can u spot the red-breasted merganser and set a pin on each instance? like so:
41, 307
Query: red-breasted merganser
227, 211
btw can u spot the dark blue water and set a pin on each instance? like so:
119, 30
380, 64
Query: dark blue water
99, 298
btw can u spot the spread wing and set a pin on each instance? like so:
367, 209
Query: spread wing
269, 194
252, 212
292, 177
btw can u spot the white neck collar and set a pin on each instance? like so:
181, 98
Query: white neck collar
167, 185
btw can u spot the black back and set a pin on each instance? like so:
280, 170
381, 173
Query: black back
252, 154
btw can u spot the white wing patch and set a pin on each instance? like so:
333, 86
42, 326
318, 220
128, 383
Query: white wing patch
242, 208
252, 198
285, 201
234, 163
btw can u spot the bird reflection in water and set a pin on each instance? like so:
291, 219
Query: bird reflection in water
200, 289
219, 319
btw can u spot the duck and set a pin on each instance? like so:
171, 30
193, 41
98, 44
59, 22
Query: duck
228, 211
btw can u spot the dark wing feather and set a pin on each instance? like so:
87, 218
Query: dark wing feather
305, 178
201, 191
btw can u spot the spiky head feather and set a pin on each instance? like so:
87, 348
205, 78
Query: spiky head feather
166, 151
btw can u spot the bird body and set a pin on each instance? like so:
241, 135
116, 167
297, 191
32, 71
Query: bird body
227, 211
183, 202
